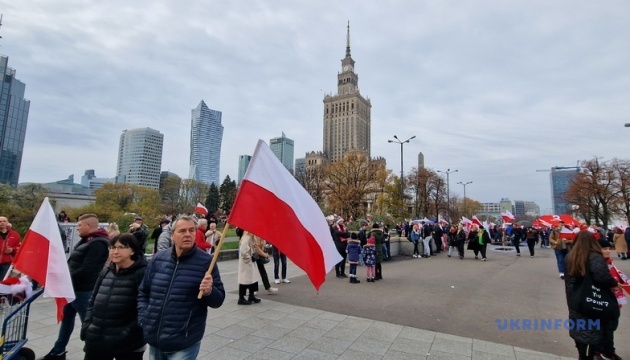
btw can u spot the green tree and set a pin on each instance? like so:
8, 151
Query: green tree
227, 194
170, 194
212, 200
19, 205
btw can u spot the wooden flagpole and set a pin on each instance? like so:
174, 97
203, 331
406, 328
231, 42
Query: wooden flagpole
215, 255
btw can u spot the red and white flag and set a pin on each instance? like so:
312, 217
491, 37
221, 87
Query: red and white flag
565, 233
507, 216
200, 209
42, 258
273, 205
475, 220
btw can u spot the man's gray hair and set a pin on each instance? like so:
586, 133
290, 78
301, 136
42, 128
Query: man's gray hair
185, 218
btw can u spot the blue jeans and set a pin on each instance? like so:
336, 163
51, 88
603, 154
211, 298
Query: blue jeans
560, 255
70, 311
277, 259
385, 254
189, 353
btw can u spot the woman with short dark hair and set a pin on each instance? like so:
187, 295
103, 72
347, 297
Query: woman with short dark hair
111, 328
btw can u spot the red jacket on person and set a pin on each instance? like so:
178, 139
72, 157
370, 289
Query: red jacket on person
200, 240
12, 241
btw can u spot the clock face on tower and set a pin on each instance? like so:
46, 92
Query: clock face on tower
346, 68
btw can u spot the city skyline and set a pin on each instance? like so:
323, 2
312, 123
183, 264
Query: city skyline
492, 89
140, 157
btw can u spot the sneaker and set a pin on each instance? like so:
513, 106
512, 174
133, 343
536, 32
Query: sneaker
272, 290
50, 356
562, 276
286, 281
277, 281
531, 256
414, 255
484, 259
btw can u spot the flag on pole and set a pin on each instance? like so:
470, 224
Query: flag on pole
475, 220
567, 234
42, 258
507, 216
200, 209
270, 203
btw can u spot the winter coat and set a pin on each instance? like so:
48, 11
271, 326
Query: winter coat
354, 251
164, 240
601, 277
451, 238
620, 243
200, 240
415, 235
111, 321
247, 268
461, 237
171, 316
88, 259
12, 241
378, 236
473, 243
369, 255
340, 236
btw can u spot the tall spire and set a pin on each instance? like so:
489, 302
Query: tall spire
348, 41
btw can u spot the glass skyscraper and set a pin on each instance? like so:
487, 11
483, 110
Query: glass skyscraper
206, 134
140, 157
282, 147
243, 164
13, 118
560, 181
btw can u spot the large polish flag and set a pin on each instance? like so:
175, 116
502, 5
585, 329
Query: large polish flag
201, 209
273, 205
507, 216
476, 220
42, 258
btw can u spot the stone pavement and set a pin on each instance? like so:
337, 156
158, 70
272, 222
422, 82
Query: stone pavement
275, 330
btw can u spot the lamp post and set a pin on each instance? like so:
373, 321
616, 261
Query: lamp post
402, 181
464, 184
448, 192
627, 125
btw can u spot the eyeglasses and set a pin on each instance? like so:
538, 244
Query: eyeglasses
121, 247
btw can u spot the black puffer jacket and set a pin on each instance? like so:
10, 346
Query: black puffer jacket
111, 321
88, 259
169, 312
601, 277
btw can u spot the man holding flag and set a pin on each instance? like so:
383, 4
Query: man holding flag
85, 263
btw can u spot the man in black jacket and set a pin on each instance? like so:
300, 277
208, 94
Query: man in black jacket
85, 263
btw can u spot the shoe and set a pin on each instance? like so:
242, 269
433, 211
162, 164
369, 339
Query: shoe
518, 254
338, 277
254, 299
286, 281
414, 255
562, 276
272, 290
277, 281
531, 256
351, 280
461, 257
476, 257
449, 255
356, 281
342, 275
50, 356
484, 259
241, 301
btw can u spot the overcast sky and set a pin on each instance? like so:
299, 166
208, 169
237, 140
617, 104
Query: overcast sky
495, 89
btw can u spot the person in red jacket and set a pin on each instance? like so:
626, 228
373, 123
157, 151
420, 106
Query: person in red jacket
200, 237
9, 245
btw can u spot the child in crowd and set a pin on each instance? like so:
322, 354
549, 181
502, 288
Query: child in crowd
369, 258
354, 252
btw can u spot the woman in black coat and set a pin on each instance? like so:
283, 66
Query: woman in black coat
586, 255
111, 328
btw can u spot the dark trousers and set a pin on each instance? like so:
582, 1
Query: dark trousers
136, 355
438, 244
585, 351
263, 274
277, 259
379, 271
460, 248
531, 244
415, 248
242, 289
353, 269
340, 268
389, 252
481, 249
517, 244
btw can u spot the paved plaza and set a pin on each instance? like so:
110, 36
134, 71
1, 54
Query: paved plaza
438, 308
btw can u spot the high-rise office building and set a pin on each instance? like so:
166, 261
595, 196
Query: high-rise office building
206, 135
282, 147
243, 164
347, 115
140, 157
13, 118
560, 181
420, 161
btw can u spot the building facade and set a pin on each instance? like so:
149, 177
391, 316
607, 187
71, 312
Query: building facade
243, 164
282, 147
420, 161
347, 115
14, 110
560, 181
206, 135
92, 182
140, 157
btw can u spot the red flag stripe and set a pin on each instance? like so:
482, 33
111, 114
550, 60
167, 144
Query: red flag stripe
33, 256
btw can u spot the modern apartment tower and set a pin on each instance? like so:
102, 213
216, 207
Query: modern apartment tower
243, 164
206, 134
347, 115
282, 147
13, 118
560, 181
140, 157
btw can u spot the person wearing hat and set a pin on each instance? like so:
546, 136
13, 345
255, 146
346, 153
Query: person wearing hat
369, 258
378, 235
354, 253
340, 236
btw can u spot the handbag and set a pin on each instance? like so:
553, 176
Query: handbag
593, 302
263, 260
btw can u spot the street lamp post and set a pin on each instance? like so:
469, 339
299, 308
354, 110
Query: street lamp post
402, 181
448, 192
464, 184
